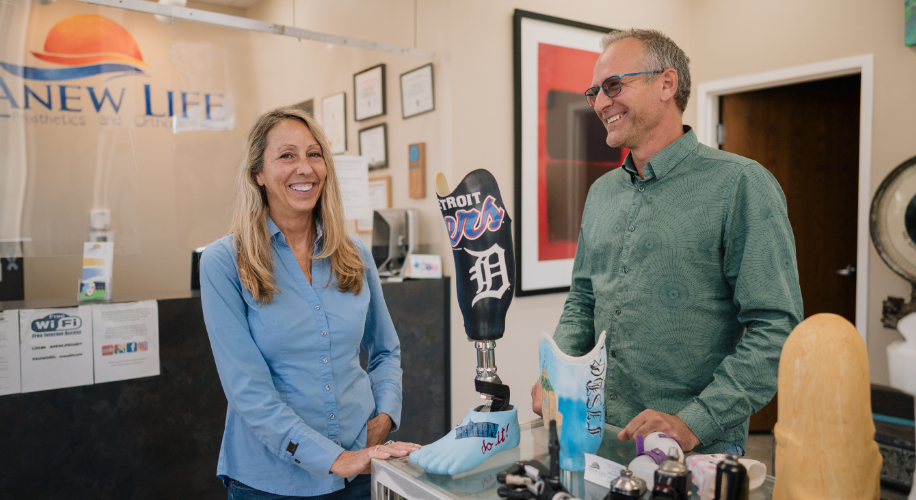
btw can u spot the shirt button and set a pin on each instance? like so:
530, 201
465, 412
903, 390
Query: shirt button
319, 307
331, 416
625, 270
631, 228
613, 354
613, 396
327, 388
324, 334
617, 312
324, 360
337, 443
642, 188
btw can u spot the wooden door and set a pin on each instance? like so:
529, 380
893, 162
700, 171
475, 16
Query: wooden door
807, 135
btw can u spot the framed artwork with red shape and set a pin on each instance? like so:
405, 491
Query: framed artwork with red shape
560, 147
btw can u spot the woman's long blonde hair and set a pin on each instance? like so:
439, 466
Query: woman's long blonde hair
249, 221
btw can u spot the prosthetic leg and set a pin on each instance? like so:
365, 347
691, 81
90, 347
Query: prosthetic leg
480, 232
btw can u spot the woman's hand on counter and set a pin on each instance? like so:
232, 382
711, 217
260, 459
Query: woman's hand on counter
378, 429
350, 463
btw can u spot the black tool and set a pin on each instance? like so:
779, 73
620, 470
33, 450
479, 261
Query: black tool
530, 480
732, 481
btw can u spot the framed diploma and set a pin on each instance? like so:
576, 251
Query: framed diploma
417, 91
373, 144
334, 121
379, 198
369, 93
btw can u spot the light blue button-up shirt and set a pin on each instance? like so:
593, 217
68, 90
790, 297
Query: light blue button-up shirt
290, 369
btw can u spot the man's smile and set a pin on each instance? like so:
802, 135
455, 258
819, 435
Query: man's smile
611, 119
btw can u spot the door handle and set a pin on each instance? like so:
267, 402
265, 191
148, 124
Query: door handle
849, 271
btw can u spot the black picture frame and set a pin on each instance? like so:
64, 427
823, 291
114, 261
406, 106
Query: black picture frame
522, 288
432, 91
378, 164
358, 95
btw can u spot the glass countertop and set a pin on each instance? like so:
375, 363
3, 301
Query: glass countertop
412, 482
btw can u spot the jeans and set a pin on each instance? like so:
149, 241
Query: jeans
359, 488
735, 449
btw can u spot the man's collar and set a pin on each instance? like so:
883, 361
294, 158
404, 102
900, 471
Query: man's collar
273, 230
665, 160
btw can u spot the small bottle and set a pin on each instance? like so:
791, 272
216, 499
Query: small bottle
626, 487
672, 479
732, 482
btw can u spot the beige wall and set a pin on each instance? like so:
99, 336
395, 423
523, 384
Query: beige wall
472, 126
736, 38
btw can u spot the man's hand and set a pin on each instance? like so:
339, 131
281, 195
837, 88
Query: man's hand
378, 429
650, 421
536, 398
350, 463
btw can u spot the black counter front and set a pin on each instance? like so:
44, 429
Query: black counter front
159, 437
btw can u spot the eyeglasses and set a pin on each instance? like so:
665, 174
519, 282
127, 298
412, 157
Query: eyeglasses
611, 87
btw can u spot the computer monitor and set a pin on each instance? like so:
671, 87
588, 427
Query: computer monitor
394, 236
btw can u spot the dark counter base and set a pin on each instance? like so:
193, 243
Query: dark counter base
155, 437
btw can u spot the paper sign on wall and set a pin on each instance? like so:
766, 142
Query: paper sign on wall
126, 339
55, 347
353, 174
10, 383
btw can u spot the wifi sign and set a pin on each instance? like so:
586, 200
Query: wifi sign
57, 321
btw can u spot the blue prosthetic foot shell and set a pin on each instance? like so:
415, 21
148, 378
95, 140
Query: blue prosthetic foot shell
478, 437
572, 393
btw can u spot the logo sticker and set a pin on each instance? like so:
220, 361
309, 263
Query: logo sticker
57, 321
85, 45
485, 270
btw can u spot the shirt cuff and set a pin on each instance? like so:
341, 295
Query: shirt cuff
313, 455
388, 401
700, 422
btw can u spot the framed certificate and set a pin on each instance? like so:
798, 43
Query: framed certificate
334, 121
373, 144
369, 93
379, 198
417, 91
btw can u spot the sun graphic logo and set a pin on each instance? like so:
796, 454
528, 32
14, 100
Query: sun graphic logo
85, 45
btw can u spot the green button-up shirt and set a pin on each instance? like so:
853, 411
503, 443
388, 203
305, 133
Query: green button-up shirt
692, 273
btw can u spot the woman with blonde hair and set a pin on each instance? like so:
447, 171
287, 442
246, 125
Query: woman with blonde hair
288, 298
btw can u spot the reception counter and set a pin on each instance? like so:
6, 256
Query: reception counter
159, 437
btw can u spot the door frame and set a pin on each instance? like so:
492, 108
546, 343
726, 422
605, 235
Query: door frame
708, 94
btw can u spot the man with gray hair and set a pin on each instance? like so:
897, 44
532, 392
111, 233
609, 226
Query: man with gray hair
686, 259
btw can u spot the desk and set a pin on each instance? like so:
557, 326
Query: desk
395, 478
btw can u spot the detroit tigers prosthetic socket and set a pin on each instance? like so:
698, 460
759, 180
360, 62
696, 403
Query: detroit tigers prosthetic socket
480, 233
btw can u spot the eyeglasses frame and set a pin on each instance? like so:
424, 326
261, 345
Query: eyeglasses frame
601, 88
